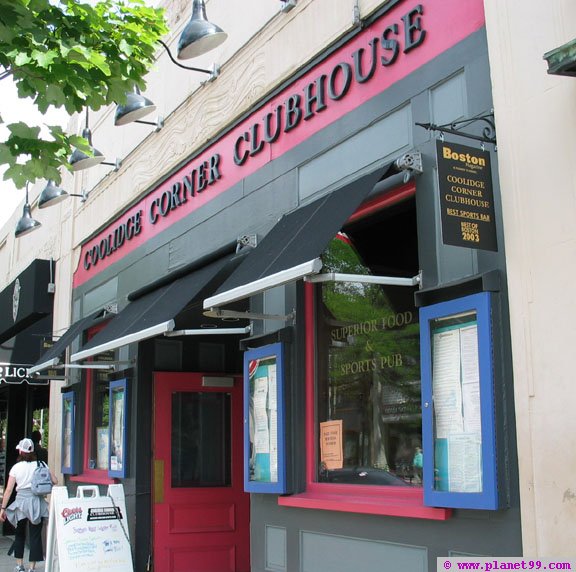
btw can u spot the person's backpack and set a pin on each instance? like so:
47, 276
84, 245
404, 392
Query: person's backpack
41, 480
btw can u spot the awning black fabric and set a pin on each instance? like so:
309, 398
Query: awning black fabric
26, 300
298, 238
51, 356
157, 312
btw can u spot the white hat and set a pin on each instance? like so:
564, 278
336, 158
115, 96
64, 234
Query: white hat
25, 446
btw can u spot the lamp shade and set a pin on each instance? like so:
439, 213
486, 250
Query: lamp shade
136, 107
199, 35
51, 195
26, 224
80, 160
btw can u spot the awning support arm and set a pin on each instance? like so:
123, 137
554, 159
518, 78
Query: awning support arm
208, 332
92, 365
220, 313
366, 279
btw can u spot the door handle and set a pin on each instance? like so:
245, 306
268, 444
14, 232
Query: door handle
158, 481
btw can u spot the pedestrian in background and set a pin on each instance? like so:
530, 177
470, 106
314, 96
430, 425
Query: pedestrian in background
27, 508
41, 452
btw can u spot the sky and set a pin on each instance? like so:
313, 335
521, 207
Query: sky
13, 109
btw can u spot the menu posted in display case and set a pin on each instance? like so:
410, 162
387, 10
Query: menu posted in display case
458, 404
455, 385
264, 419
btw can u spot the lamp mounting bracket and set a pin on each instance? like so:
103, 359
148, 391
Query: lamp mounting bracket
287, 5
117, 164
158, 124
356, 16
456, 127
213, 73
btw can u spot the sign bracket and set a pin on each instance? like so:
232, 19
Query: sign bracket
455, 127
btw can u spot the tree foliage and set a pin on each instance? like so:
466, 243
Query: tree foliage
70, 54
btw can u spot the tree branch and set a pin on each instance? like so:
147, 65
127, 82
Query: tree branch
5, 74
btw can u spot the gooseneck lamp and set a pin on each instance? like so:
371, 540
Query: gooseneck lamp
51, 195
200, 35
136, 107
26, 224
80, 160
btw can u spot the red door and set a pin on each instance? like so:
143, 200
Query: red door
201, 513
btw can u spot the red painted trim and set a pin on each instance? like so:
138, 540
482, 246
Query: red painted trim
389, 501
446, 23
94, 477
391, 504
88, 475
310, 367
387, 200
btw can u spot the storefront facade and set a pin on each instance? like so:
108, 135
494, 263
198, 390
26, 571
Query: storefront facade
241, 247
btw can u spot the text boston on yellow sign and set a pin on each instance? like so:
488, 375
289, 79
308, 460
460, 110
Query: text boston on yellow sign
466, 198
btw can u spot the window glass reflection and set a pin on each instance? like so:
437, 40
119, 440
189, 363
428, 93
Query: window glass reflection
368, 380
200, 439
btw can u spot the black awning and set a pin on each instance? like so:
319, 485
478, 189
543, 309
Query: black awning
291, 250
51, 357
27, 299
156, 312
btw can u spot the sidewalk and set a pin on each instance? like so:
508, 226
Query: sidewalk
7, 563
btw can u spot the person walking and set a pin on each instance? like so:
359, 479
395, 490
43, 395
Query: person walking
27, 508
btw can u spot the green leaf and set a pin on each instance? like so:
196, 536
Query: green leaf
125, 47
100, 62
22, 130
18, 174
44, 59
6, 156
55, 95
22, 59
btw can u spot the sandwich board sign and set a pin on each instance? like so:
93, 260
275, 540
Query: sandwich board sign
88, 532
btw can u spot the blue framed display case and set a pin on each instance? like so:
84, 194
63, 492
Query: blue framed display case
458, 423
118, 429
264, 420
67, 466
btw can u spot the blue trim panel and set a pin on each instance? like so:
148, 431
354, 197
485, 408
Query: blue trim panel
279, 485
488, 498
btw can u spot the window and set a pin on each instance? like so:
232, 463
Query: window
97, 419
98, 445
201, 455
367, 339
68, 433
363, 412
118, 423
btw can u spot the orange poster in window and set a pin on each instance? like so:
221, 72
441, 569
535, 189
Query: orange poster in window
331, 452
